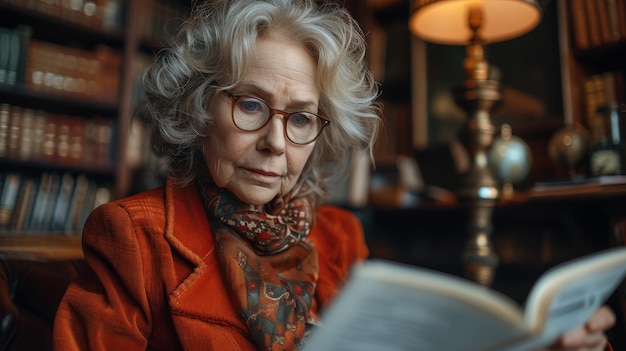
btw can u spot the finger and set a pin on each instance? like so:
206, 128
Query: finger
602, 320
573, 338
580, 339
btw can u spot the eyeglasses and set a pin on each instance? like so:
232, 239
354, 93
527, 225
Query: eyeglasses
251, 113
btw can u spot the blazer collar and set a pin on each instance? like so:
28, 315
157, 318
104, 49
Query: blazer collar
201, 292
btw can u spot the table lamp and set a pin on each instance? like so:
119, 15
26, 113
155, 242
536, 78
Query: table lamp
475, 23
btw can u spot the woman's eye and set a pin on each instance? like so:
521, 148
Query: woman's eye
300, 119
251, 105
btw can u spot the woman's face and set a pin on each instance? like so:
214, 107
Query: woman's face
257, 166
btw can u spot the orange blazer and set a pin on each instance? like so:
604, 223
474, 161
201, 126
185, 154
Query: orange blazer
155, 283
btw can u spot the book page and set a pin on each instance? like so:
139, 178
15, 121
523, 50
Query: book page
565, 297
387, 307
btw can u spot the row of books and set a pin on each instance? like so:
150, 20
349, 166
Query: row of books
53, 202
598, 22
81, 74
59, 69
98, 14
40, 136
601, 90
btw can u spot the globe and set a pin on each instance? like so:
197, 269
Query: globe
568, 146
509, 157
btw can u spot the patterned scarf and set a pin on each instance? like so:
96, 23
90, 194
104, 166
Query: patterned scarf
269, 264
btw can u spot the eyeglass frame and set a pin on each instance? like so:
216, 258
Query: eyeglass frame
234, 98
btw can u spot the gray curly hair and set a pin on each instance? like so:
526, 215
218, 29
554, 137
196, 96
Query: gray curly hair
215, 44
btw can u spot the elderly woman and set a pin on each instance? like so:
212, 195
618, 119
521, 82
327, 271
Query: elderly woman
236, 251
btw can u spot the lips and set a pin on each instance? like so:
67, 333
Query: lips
263, 173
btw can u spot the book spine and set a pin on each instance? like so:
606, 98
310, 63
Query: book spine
579, 24
595, 38
613, 19
39, 126
35, 222
77, 204
8, 199
49, 145
15, 43
62, 140
76, 141
603, 21
53, 193
5, 110
5, 39
24, 34
621, 12
591, 104
62, 203
24, 205
25, 140
13, 132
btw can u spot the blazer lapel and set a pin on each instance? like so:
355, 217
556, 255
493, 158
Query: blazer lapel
200, 292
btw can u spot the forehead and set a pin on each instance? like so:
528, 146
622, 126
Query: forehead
283, 66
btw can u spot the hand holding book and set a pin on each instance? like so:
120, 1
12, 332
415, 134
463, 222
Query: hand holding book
590, 336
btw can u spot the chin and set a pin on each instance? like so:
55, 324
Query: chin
256, 197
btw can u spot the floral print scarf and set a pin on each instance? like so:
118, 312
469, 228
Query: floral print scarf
268, 263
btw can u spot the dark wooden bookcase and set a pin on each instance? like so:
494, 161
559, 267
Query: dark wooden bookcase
76, 71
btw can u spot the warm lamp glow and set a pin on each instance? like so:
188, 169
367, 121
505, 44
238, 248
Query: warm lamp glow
446, 21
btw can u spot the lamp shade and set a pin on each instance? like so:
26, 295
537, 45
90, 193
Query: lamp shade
446, 21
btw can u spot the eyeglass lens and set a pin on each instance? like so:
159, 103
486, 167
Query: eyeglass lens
251, 114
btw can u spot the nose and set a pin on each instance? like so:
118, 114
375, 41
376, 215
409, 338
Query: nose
273, 137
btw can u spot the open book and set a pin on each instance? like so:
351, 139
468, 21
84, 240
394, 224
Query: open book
387, 306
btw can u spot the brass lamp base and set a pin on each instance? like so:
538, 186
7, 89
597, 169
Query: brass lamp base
472, 23
479, 192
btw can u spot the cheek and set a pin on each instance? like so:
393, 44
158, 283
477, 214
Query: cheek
222, 150
296, 161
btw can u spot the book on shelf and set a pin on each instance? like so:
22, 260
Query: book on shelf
597, 22
12, 52
24, 205
621, 11
75, 73
51, 202
78, 204
5, 110
36, 135
600, 89
25, 136
603, 21
593, 24
54, 184
104, 15
391, 306
62, 204
13, 132
613, 20
579, 23
8, 198
35, 219
5, 39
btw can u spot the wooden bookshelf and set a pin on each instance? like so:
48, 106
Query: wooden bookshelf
77, 69
40, 246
